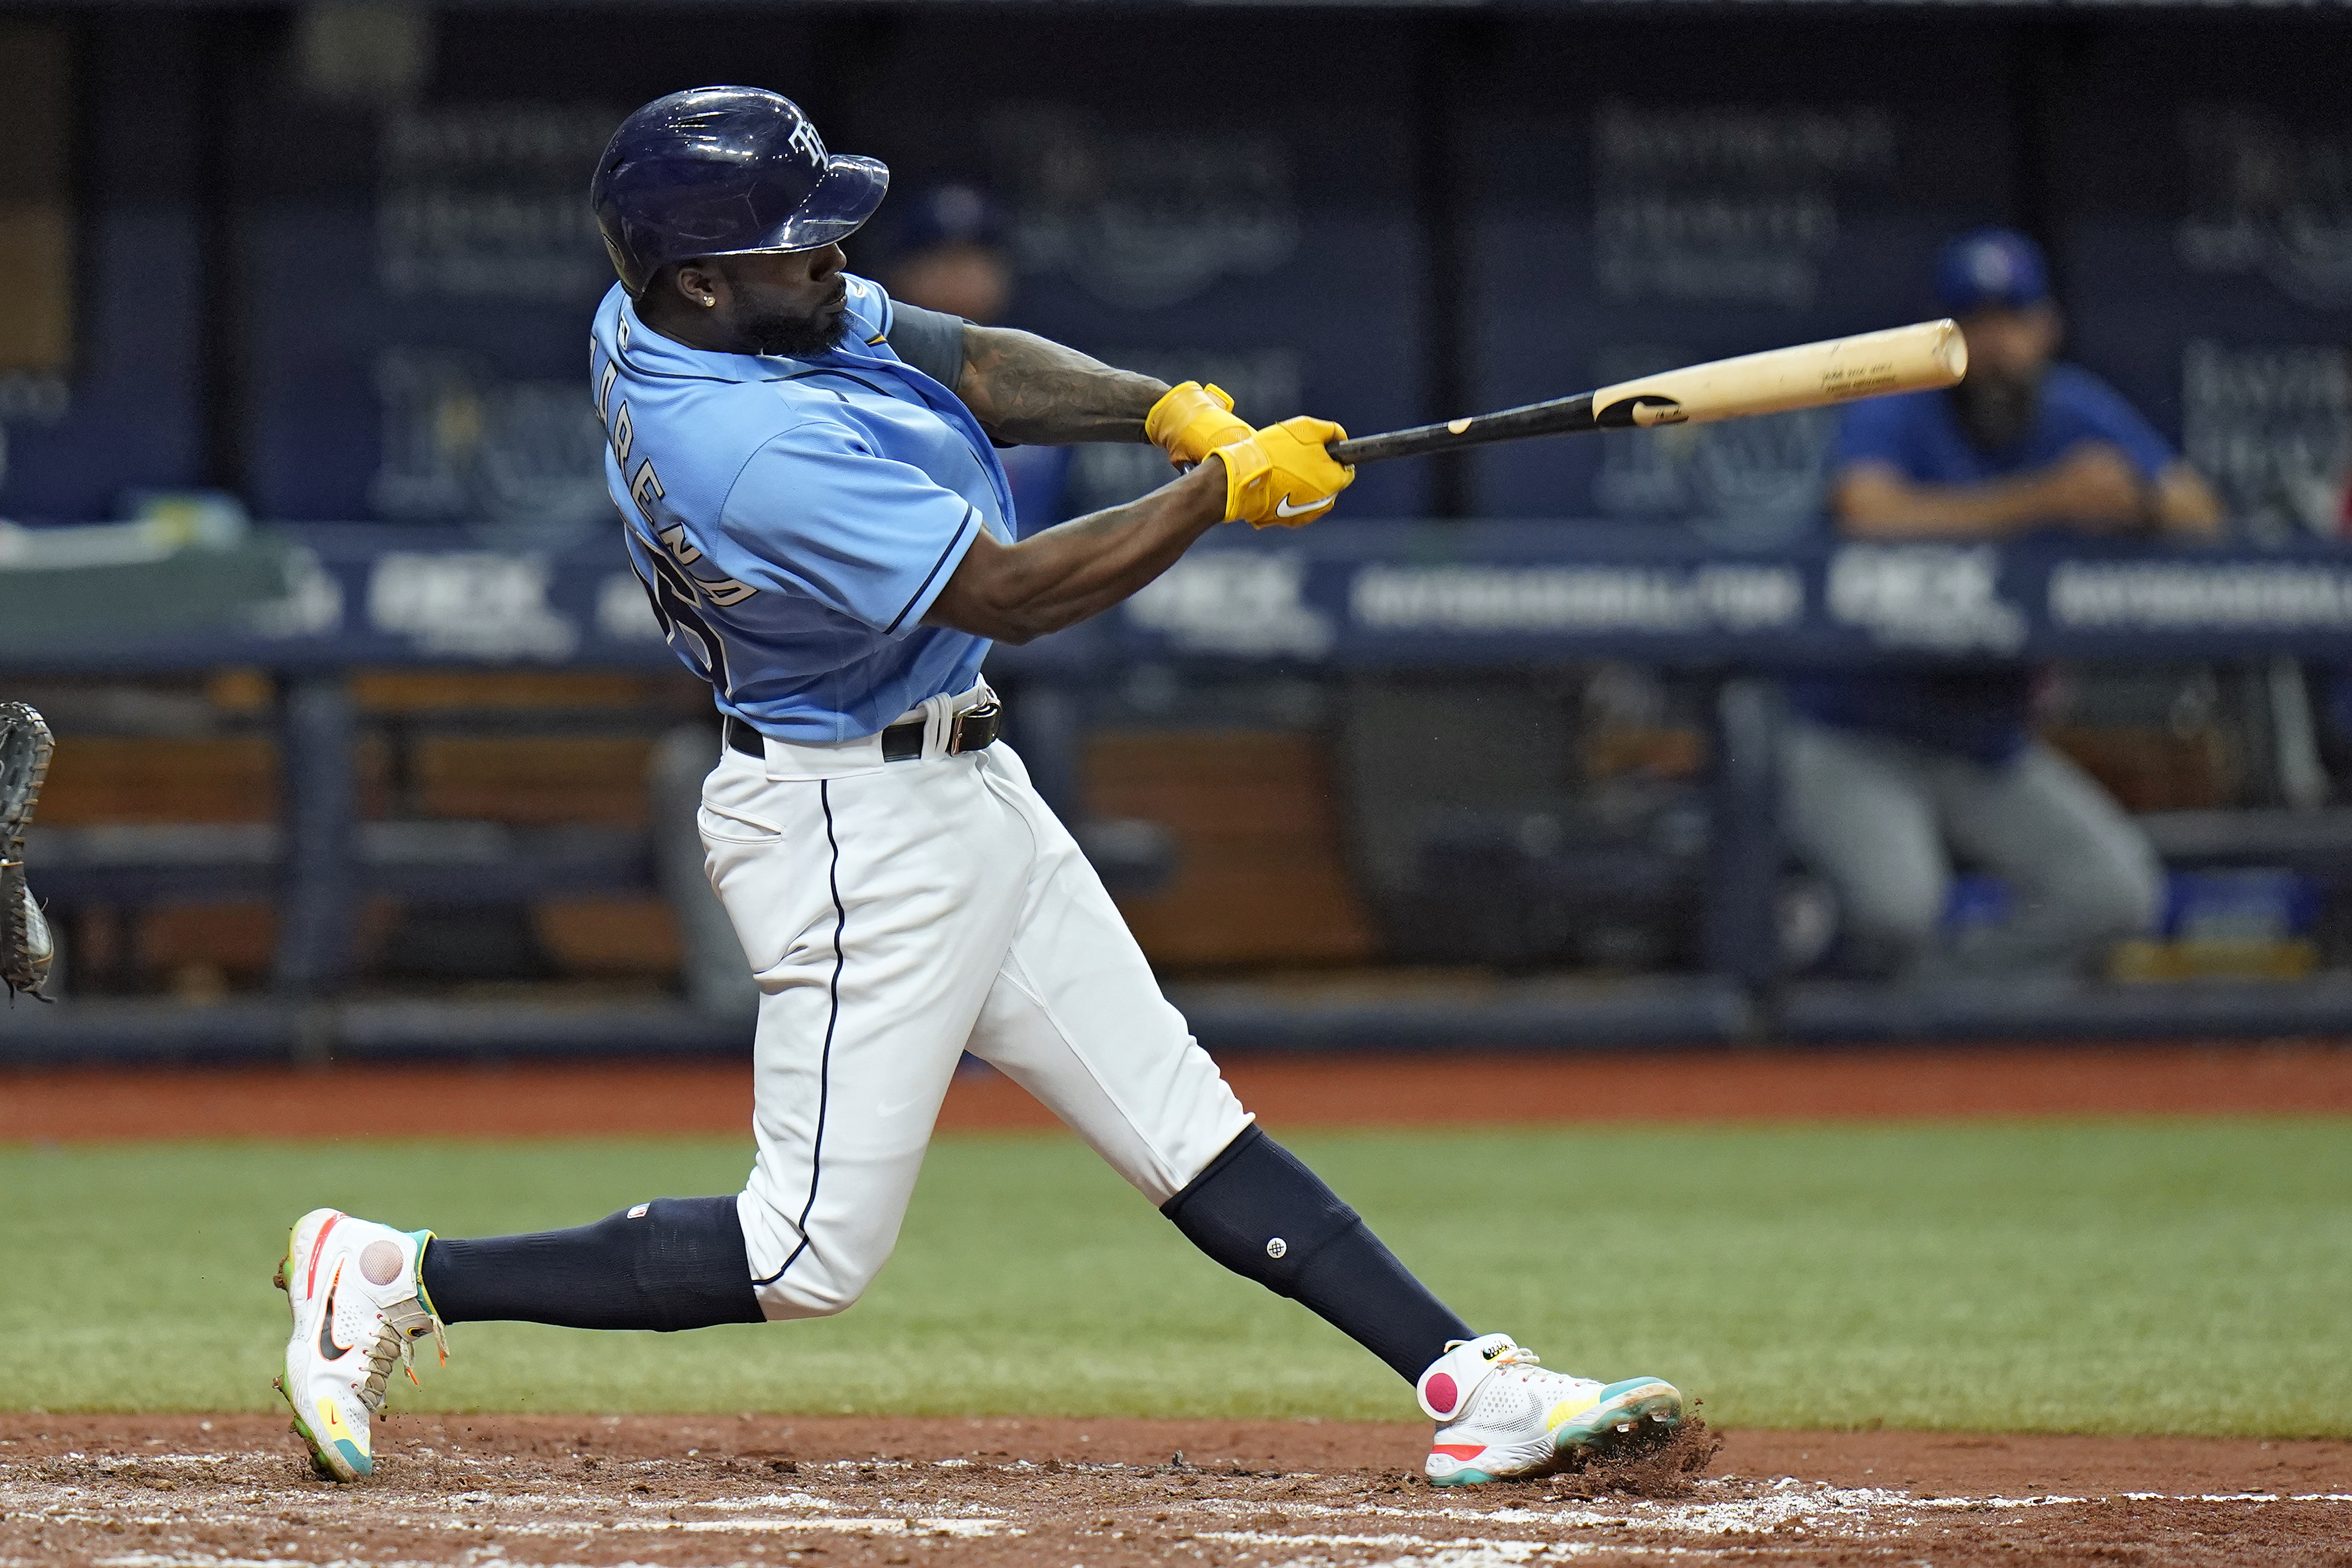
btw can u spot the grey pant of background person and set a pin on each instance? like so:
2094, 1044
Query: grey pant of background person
1879, 817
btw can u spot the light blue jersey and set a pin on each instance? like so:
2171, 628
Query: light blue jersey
792, 520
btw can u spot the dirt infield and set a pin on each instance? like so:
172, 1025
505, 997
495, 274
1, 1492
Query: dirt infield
1354, 1091
166, 1491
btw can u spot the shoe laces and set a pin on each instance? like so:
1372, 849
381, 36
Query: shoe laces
395, 1345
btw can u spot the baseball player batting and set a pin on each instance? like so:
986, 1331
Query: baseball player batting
810, 491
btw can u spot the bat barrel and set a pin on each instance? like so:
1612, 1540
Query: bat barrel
1917, 358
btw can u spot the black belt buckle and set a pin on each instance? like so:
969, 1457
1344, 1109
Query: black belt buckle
976, 729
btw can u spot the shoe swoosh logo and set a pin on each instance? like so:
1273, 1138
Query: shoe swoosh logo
1284, 509
327, 1345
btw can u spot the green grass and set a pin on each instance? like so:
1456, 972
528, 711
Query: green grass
2187, 1277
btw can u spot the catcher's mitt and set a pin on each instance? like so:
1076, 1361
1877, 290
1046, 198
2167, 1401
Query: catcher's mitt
25, 947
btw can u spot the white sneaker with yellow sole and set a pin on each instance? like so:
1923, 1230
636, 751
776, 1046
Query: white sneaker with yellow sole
358, 1298
1501, 1416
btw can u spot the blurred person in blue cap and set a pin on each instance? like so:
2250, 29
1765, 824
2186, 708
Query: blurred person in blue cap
2024, 442
950, 256
950, 249
1887, 772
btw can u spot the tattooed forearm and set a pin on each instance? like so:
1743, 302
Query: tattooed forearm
1022, 388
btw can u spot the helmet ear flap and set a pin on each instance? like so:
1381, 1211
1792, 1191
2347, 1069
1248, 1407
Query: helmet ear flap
631, 278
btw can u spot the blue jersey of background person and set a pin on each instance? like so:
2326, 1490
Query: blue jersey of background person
793, 519
1984, 713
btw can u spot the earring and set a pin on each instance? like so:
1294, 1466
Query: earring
708, 300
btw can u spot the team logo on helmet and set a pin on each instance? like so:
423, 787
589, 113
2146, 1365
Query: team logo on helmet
806, 142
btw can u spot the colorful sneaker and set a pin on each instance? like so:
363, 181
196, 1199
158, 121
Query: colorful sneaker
1501, 1416
357, 1294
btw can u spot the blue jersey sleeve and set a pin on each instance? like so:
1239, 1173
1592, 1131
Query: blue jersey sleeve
818, 511
2093, 410
1879, 431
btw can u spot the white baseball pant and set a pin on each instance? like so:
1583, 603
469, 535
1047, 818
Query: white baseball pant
896, 915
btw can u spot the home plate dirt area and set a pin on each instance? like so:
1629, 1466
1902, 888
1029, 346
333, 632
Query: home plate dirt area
837, 1492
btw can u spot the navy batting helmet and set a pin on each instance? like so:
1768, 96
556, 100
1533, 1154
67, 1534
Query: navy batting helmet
724, 171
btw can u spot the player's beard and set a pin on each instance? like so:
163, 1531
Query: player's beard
1995, 411
797, 337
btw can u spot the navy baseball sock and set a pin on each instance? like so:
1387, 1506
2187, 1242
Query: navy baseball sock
1262, 1214
674, 1263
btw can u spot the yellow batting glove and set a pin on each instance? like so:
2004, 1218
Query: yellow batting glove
1193, 421
1281, 476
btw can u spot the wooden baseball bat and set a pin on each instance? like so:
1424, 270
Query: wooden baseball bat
1916, 358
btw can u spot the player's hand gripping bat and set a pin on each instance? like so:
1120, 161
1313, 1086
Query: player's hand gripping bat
1871, 364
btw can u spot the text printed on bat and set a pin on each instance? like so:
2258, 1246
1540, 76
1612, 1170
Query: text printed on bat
1861, 380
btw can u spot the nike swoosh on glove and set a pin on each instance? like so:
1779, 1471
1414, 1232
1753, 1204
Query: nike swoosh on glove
1281, 476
